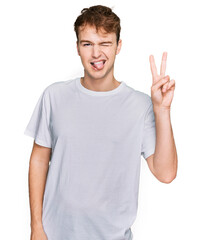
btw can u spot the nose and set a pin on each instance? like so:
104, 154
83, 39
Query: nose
96, 53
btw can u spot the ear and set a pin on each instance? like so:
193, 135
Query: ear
119, 46
77, 48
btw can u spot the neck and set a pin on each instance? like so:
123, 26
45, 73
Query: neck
106, 84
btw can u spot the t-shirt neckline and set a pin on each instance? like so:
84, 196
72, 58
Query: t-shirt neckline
98, 93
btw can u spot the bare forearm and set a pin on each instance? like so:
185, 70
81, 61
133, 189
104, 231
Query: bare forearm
37, 179
165, 156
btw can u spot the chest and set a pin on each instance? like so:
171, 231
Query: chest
96, 120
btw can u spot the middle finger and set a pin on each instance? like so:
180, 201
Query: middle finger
163, 64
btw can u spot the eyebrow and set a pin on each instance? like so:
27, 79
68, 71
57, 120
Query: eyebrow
91, 42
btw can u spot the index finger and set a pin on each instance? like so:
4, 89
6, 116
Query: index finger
153, 67
163, 64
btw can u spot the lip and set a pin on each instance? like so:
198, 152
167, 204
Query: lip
104, 61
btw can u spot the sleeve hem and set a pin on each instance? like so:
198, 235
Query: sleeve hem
37, 140
148, 153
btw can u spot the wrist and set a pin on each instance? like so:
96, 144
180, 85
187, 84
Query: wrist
36, 225
161, 110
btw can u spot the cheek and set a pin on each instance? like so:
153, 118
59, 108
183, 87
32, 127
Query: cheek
111, 56
110, 53
85, 55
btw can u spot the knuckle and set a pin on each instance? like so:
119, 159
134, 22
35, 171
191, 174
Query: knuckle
166, 78
152, 88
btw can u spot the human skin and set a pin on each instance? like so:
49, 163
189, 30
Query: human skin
94, 48
164, 162
39, 161
38, 170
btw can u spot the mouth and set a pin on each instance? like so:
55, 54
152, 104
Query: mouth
98, 65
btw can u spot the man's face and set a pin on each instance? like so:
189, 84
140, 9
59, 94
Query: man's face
97, 52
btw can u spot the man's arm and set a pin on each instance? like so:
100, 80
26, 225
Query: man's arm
163, 163
38, 169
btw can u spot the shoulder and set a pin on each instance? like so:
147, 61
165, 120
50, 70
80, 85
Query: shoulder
59, 87
142, 99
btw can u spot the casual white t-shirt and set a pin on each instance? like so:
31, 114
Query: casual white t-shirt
97, 139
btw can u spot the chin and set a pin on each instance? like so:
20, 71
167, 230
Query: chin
96, 76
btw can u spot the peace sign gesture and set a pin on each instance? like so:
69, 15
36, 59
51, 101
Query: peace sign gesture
162, 89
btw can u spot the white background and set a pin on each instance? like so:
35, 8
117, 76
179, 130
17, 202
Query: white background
37, 48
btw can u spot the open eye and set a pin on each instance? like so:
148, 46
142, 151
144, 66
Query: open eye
86, 44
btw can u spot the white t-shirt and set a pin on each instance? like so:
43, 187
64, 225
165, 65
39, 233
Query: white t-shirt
97, 139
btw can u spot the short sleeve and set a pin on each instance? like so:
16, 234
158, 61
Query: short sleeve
38, 126
149, 133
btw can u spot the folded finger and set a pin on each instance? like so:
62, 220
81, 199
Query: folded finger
160, 83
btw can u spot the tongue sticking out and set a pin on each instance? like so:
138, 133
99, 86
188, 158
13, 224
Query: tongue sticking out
99, 65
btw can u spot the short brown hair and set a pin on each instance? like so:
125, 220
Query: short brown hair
100, 17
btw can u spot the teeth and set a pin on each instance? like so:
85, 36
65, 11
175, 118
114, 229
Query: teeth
97, 62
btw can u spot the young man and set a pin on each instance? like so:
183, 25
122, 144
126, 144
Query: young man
93, 131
